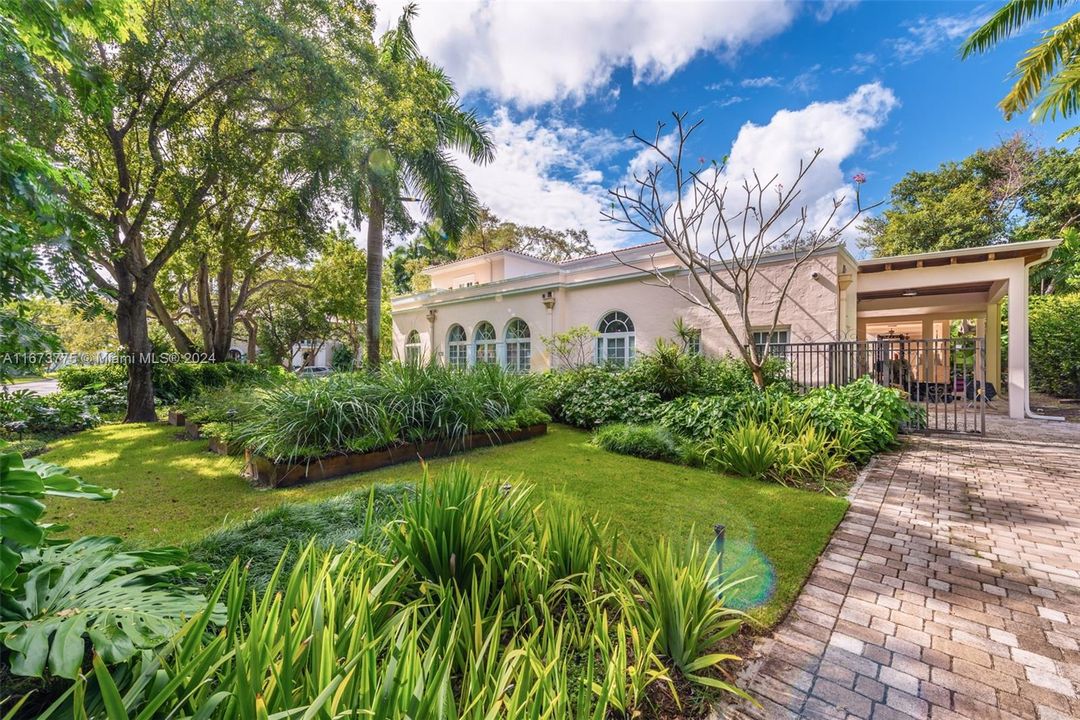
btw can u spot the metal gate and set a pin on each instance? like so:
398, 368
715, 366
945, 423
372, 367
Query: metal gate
944, 379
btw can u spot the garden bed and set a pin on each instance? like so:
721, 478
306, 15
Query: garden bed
266, 473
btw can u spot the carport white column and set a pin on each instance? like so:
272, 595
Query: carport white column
1018, 340
993, 344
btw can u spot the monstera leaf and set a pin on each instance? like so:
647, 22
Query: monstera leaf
122, 601
22, 483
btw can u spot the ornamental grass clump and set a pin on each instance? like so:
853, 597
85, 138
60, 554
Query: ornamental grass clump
483, 606
361, 412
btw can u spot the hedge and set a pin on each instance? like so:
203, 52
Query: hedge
1054, 355
172, 381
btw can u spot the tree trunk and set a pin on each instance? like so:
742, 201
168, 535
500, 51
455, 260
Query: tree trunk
131, 308
180, 339
252, 339
376, 218
759, 376
223, 330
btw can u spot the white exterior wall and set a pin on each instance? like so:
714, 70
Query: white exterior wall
585, 291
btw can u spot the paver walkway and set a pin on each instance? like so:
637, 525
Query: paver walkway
950, 590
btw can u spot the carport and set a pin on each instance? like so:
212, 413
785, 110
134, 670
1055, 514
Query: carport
916, 298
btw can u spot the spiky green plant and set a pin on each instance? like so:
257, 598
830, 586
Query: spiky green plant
532, 624
674, 597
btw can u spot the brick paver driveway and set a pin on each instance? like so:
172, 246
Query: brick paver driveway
950, 590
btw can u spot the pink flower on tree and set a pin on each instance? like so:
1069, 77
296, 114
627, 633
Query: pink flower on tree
859, 178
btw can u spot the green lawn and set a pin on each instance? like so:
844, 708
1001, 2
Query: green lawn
175, 491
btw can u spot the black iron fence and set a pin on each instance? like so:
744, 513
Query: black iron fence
944, 379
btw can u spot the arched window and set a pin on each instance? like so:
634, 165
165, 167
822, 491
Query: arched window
484, 340
616, 341
518, 346
457, 347
412, 348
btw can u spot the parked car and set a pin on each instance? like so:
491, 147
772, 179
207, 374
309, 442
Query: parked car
314, 371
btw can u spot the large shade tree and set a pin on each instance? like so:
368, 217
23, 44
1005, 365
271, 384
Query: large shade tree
412, 124
45, 49
209, 84
262, 221
973, 202
1015, 191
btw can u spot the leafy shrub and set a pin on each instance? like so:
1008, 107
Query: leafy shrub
593, 396
864, 416
480, 604
228, 402
671, 372
60, 412
1055, 344
645, 441
360, 412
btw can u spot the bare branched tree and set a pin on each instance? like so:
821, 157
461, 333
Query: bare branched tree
720, 238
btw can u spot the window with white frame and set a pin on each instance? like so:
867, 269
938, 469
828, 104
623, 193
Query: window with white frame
485, 343
457, 347
616, 341
518, 346
412, 348
693, 342
777, 340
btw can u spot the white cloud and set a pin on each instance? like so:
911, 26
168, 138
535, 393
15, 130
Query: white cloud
528, 52
827, 8
926, 35
548, 175
553, 174
760, 82
839, 128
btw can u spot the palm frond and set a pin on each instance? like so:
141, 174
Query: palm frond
1062, 97
444, 189
1005, 22
1040, 63
464, 131
400, 42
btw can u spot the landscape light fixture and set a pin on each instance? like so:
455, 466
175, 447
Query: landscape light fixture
718, 546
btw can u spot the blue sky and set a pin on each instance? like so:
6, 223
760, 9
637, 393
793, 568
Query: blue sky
878, 85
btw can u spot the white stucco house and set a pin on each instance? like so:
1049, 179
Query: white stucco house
496, 307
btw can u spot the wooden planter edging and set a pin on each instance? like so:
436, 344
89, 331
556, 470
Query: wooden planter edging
222, 447
192, 430
270, 474
176, 418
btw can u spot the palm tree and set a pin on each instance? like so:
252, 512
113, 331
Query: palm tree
418, 121
1048, 76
